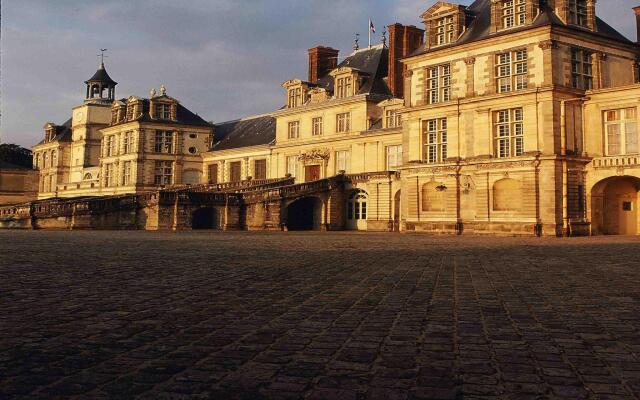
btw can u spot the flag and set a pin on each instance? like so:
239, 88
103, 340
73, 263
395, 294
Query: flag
371, 27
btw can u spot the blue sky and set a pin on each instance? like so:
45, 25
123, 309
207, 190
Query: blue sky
221, 58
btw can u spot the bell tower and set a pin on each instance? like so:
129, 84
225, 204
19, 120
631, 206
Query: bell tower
100, 87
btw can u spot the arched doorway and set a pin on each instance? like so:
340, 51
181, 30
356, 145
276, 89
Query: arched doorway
397, 211
304, 214
614, 206
205, 218
357, 210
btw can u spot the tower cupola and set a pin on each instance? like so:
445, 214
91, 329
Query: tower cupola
100, 87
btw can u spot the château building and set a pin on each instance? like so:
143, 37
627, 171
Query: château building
502, 117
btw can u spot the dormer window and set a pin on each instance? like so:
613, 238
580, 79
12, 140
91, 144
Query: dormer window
163, 111
295, 97
514, 13
445, 31
344, 87
578, 12
130, 111
297, 92
49, 134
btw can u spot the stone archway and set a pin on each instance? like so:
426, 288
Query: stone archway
205, 218
305, 214
614, 206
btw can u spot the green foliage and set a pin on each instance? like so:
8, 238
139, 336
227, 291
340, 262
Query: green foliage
14, 154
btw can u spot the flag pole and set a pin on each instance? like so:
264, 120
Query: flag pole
369, 32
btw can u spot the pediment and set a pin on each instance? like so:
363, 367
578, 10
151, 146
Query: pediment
292, 83
441, 9
391, 103
344, 71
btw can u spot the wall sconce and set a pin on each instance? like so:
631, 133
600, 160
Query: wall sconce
441, 188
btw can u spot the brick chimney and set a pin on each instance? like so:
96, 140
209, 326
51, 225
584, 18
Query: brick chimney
403, 40
321, 61
637, 10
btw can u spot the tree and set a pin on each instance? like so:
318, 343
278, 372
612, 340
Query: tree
14, 154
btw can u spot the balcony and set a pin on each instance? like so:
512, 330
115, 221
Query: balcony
617, 161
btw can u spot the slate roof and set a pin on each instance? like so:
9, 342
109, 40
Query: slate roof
480, 26
184, 116
63, 133
252, 131
374, 65
101, 76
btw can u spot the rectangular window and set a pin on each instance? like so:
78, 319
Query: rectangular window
509, 133
130, 111
110, 146
260, 169
394, 157
511, 71
581, 69
163, 111
164, 142
341, 161
578, 12
434, 132
343, 87
110, 175
163, 173
439, 84
317, 126
294, 130
621, 131
235, 171
514, 13
343, 122
295, 97
393, 119
213, 174
444, 31
126, 173
127, 142
292, 164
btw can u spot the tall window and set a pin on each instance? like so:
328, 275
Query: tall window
621, 130
54, 159
130, 111
235, 171
341, 161
317, 126
578, 12
439, 84
260, 169
509, 133
394, 118
45, 160
394, 157
164, 142
213, 174
343, 122
294, 130
514, 13
581, 69
511, 71
435, 140
295, 97
343, 87
163, 173
127, 142
292, 164
110, 145
444, 31
109, 175
126, 173
163, 111
36, 164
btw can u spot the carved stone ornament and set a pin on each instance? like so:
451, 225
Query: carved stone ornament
315, 155
509, 165
470, 60
548, 44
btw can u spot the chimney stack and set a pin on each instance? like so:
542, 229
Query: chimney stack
403, 40
637, 10
321, 61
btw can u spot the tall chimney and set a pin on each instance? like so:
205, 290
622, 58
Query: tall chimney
403, 40
637, 10
321, 61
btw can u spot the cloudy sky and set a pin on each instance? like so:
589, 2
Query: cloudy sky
221, 58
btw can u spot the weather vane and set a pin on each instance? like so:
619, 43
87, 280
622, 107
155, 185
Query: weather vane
102, 56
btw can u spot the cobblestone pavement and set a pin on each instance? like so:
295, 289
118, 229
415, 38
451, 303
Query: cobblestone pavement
118, 315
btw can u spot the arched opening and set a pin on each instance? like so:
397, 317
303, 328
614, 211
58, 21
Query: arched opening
507, 195
304, 214
614, 206
397, 211
205, 218
357, 210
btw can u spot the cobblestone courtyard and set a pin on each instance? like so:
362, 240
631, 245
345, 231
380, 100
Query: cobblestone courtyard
108, 315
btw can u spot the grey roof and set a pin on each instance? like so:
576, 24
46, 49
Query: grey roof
102, 77
252, 131
373, 64
479, 26
63, 133
184, 116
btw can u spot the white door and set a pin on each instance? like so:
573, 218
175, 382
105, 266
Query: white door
357, 211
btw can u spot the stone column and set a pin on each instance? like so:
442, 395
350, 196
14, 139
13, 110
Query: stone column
407, 88
548, 47
470, 80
